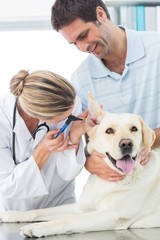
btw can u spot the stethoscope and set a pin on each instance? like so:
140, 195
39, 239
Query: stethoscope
39, 127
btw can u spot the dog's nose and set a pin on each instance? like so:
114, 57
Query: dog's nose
126, 146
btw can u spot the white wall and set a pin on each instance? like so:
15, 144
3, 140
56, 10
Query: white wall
25, 8
35, 50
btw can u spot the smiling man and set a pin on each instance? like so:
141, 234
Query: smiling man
122, 70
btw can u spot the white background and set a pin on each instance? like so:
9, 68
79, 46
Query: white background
35, 50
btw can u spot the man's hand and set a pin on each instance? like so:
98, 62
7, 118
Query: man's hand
96, 165
144, 156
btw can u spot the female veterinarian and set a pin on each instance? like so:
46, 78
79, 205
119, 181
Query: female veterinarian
37, 165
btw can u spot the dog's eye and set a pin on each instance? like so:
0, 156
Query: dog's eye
110, 131
134, 129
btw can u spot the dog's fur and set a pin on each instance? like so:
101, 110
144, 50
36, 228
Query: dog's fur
133, 202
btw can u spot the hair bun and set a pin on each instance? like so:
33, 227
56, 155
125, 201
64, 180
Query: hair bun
17, 82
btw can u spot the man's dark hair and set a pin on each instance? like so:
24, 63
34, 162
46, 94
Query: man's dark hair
65, 12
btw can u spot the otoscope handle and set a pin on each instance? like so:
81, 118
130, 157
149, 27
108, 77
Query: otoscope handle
61, 130
68, 121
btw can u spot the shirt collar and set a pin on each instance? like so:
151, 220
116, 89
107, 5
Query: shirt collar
135, 46
135, 51
97, 68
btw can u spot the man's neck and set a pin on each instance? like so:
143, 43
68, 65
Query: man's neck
115, 60
117, 65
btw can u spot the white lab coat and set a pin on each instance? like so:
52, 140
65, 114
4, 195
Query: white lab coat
23, 186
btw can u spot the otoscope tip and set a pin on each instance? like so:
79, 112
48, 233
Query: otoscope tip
74, 118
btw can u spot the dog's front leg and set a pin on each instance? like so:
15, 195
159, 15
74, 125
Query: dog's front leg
45, 214
84, 222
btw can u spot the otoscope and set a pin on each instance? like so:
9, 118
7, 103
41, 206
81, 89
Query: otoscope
66, 124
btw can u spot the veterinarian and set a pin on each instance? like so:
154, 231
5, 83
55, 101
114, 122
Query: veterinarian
122, 70
37, 169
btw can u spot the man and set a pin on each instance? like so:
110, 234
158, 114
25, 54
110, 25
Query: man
122, 70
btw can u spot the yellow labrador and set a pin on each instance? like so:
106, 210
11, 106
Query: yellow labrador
133, 202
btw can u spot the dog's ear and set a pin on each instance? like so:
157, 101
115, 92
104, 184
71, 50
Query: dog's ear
95, 113
148, 134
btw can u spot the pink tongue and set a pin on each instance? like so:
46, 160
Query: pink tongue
126, 164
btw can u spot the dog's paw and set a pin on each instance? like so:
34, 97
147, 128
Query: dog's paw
43, 229
36, 230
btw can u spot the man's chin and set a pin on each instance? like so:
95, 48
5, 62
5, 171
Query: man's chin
97, 56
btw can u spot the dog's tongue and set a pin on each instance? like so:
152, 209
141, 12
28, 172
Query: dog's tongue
126, 164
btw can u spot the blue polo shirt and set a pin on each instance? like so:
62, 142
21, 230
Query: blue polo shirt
137, 90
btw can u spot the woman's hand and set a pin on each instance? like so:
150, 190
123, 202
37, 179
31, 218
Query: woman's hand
49, 144
96, 165
77, 129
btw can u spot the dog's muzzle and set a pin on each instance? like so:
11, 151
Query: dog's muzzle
126, 164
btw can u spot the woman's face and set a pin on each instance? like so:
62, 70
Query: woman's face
57, 119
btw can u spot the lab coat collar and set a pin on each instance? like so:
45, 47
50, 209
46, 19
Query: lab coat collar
135, 51
7, 103
19, 125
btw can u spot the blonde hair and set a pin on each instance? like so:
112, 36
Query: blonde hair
42, 94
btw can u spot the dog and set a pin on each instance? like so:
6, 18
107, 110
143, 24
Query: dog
133, 202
